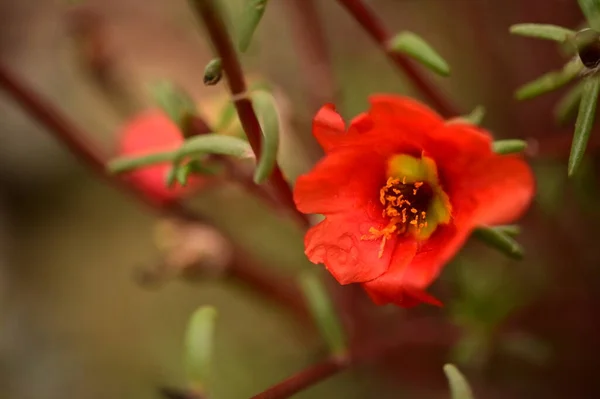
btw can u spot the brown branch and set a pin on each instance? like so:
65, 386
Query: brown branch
208, 13
88, 153
375, 28
418, 332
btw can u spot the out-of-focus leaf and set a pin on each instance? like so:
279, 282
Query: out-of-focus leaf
213, 72
542, 31
174, 101
476, 116
526, 347
199, 347
251, 16
227, 116
584, 123
591, 11
499, 240
459, 387
550, 81
416, 47
266, 111
509, 146
566, 108
323, 312
512, 230
196, 146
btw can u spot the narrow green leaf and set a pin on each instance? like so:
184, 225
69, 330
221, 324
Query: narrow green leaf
476, 116
266, 110
459, 387
584, 123
174, 101
512, 230
251, 16
414, 46
193, 147
199, 347
226, 117
591, 11
213, 72
509, 146
550, 81
542, 31
172, 175
323, 312
500, 240
566, 108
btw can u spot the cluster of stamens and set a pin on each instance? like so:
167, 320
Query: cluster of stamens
405, 206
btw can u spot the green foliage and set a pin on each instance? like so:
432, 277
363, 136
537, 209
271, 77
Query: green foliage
591, 11
251, 16
511, 146
459, 387
174, 101
566, 109
199, 347
213, 72
584, 123
542, 31
266, 111
497, 238
193, 147
550, 81
416, 47
323, 312
476, 116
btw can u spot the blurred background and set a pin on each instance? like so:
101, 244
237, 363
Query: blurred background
91, 305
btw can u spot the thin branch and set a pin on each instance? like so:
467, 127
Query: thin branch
272, 286
208, 12
418, 332
378, 32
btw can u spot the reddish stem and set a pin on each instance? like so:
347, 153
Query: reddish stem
419, 332
378, 32
303, 379
272, 286
208, 13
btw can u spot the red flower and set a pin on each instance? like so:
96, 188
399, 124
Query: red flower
152, 132
401, 191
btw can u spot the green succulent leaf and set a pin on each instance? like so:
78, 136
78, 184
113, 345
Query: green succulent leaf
584, 123
199, 339
323, 312
542, 31
499, 240
417, 48
459, 387
266, 111
511, 146
550, 81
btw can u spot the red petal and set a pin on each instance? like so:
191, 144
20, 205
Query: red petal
328, 127
496, 190
152, 132
493, 188
336, 242
402, 116
404, 283
345, 179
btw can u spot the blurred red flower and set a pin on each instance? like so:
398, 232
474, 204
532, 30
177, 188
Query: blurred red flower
150, 132
401, 191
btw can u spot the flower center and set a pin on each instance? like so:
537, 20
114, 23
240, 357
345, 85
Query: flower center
405, 205
413, 200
